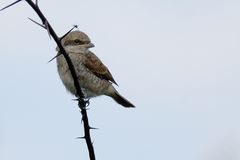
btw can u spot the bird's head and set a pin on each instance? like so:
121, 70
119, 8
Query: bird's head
76, 41
77, 38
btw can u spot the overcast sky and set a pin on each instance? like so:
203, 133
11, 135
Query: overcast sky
177, 61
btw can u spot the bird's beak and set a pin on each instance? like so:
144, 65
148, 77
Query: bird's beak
90, 45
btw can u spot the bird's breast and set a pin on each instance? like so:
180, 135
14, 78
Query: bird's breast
91, 84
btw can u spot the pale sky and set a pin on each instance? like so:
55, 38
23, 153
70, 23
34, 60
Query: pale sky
177, 61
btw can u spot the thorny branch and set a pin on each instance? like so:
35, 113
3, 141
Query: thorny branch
82, 103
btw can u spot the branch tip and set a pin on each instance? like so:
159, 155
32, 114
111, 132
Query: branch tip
10, 5
74, 26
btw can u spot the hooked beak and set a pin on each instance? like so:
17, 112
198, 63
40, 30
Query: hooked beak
90, 45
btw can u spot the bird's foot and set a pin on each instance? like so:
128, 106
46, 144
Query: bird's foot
83, 103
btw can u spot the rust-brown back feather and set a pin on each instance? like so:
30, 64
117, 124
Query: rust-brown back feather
94, 64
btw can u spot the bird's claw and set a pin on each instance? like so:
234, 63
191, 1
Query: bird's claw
83, 103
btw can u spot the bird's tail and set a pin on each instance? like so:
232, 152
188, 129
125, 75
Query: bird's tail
121, 100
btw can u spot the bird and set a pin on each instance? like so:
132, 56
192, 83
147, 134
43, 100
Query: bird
94, 77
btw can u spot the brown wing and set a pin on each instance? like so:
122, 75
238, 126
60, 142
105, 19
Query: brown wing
94, 64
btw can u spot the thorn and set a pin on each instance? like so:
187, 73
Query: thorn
81, 137
93, 128
74, 26
36, 2
10, 5
54, 57
37, 23
47, 28
115, 82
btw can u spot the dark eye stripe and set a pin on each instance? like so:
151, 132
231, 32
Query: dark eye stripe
75, 42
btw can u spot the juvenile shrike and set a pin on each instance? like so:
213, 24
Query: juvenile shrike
93, 76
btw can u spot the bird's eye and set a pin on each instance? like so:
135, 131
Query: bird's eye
77, 41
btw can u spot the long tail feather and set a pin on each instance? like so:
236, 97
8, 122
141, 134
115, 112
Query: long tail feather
123, 101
